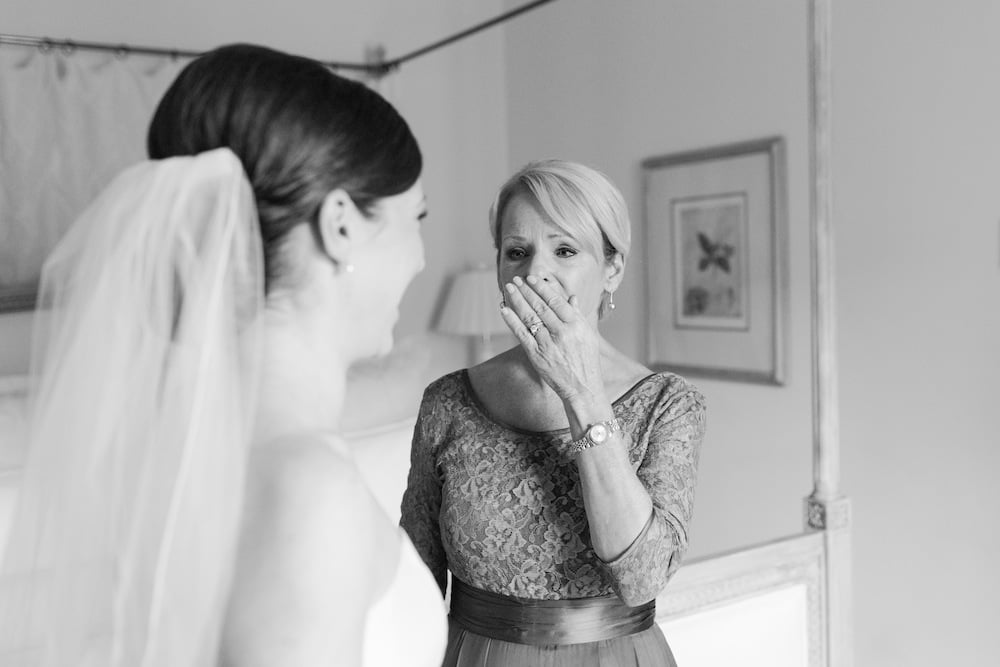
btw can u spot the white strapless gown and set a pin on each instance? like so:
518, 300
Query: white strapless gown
408, 624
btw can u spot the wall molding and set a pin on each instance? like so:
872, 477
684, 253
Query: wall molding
821, 558
717, 581
826, 509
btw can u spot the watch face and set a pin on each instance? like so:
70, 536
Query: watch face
598, 433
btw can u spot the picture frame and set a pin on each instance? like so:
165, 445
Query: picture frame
716, 258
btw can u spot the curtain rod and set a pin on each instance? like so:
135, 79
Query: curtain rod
68, 46
479, 27
378, 68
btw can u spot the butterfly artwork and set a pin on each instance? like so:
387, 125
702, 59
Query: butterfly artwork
712, 289
715, 254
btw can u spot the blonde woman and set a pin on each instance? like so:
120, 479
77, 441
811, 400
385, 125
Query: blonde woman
556, 480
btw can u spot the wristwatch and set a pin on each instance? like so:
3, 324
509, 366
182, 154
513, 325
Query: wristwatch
597, 434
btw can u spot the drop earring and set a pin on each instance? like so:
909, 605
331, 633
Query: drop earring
611, 300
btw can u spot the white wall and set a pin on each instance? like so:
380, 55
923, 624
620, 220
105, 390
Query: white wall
610, 84
916, 147
453, 99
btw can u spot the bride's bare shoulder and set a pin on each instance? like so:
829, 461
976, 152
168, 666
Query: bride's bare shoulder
309, 526
312, 482
303, 468
308, 490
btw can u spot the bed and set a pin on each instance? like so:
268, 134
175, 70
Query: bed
758, 606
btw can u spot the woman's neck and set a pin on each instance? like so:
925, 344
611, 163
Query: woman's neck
303, 373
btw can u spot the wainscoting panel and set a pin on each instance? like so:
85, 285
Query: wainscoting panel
763, 606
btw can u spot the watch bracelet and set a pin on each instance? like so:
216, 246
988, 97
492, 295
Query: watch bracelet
584, 442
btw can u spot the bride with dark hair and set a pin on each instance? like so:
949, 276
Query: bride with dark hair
187, 499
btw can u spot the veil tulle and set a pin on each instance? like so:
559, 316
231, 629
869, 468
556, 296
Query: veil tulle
144, 379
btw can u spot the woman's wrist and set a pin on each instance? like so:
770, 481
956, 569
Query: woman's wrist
585, 410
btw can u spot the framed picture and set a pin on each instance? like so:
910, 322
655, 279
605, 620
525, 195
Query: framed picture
716, 261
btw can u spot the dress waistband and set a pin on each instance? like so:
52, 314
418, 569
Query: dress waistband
546, 622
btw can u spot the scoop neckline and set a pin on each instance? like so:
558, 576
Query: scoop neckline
490, 417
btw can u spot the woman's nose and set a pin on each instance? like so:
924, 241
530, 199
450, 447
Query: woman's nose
539, 266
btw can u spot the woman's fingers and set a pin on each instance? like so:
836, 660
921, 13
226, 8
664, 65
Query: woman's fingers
519, 314
554, 300
522, 299
541, 308
526, 329
543, 301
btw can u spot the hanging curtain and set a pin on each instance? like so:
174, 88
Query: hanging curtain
69, 121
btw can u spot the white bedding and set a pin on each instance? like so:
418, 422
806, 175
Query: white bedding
382, 450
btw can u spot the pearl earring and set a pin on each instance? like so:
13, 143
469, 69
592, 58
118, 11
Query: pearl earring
611, 300
349, 268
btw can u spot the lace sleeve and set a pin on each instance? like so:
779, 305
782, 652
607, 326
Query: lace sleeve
421, 503
668, 471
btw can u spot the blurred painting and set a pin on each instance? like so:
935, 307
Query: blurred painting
711, 261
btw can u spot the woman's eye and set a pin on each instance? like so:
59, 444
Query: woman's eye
565, 252
516, 253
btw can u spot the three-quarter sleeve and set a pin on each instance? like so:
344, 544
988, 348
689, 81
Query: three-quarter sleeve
668, 471
421, 504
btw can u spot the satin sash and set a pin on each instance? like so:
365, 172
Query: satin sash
546, 622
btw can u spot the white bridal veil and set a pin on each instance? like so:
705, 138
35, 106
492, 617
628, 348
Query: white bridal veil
144, 379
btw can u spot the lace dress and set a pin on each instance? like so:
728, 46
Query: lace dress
502, 509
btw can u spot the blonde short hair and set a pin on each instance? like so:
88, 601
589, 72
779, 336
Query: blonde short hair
582, 202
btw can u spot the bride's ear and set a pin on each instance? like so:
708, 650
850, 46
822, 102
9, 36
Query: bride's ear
340, 226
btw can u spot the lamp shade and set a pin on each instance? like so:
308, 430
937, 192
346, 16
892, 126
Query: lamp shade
472, 305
